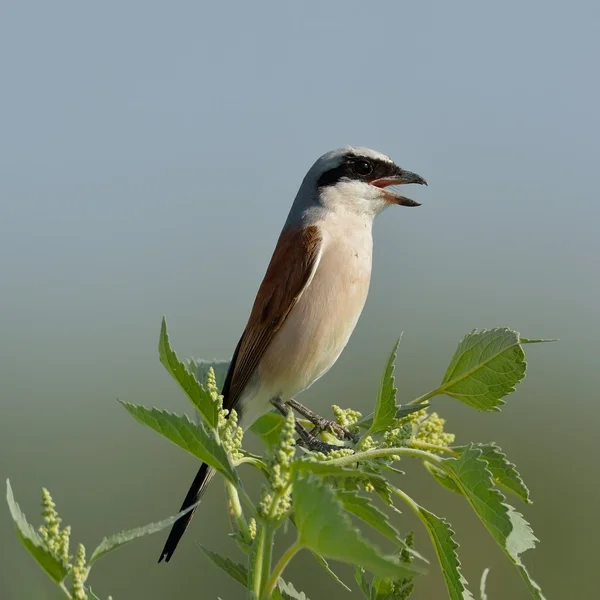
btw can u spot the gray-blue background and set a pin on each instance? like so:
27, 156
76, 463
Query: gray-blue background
149, 152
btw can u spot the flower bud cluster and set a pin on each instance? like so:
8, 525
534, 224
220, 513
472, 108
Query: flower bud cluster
79, 574
55, 540
277, 500
430, 429
230, 433
346, 417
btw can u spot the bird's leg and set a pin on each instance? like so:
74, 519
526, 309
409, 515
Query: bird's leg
322, 424
307, 439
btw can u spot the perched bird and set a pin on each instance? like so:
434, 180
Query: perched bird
312, 294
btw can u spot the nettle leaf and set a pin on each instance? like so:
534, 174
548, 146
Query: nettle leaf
286, 591
383, 490
233, 569
503, 471
385, 405
486, 367
321, 560
268, 427
29, 537
442, 477
198, 396
192, 437
507, 526
370, 514
445, 547
113, 542
324, 528
381, 588
482, 584
361, 580
91, 594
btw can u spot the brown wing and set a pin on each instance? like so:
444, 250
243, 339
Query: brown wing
291, 268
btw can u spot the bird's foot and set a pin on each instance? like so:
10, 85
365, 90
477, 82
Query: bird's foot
314, 444
322, 424
309, 439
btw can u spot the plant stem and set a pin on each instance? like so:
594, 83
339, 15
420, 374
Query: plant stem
413, 505
268, 553
251, 460
345, 461
64, 588
426, 396
260, 558
432, 447
279, 567
236, 513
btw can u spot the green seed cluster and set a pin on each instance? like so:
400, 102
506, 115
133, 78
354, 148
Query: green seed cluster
368, 486
338, 453
252, 528
55, 540
79, 573
405, 587
230, 433
430, 429
277, 499
346, 417
398, 436
211, 384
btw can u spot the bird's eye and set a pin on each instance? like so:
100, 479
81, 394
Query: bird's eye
362, 167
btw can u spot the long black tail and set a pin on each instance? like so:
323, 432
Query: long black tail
194, 494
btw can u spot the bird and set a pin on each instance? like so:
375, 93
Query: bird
312, 294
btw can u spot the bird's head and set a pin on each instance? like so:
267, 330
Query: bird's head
360, 180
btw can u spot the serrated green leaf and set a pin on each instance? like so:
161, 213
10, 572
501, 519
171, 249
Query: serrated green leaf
361, 580
325, 528
325, 565
29, 537
445, 547
507, 526
482, 584
388, 467
321, 560
381, 588
485, 367
197, 395
268, 427
370, 514
113, 542
91, 594
233, 569
385, 405
383, 490
442, 477
503, 471
286, 591
192, 437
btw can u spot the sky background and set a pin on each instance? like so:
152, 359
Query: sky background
149, 153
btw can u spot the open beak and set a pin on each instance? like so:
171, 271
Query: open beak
400, 178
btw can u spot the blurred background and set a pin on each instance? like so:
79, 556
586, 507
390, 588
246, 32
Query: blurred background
149, 153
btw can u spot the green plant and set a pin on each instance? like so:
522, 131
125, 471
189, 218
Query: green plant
317, 494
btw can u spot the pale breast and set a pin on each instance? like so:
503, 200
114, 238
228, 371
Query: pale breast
319, 326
